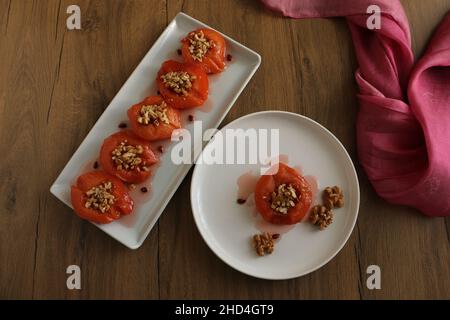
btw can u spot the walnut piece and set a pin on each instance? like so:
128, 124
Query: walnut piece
100, 197
284, 198
321, 216
263, 243
128, 157
153, 114
199, 45
333, 197
178, 81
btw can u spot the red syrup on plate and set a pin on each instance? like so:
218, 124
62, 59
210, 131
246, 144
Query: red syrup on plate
206, 107
245, 195
91, 166
139, 198
246, 185
312, 180
283, 158
140, 193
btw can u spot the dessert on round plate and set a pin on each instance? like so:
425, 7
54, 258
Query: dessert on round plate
283, 197
278, 224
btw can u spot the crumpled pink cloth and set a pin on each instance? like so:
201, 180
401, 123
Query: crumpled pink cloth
403, 124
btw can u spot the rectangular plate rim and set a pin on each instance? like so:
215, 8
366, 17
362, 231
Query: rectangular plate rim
151, 223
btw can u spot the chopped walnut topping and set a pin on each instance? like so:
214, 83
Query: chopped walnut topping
153, 114
263, 243
180, 81
128, 157
321, 216
100, 197
284, 198
333, 197
199, 45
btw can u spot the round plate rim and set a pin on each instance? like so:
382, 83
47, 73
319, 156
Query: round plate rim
355, 175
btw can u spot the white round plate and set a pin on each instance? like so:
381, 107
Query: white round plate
227, 227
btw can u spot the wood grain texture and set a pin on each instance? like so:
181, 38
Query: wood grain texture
55, 83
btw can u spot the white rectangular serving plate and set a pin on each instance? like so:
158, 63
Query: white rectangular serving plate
224, 90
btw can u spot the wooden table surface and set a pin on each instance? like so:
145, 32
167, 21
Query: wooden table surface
55, 83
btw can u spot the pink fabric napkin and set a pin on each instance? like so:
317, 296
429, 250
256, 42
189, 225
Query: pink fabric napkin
403, 124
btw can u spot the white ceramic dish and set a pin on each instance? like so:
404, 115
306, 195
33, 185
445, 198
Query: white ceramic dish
224, 90
227, 227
